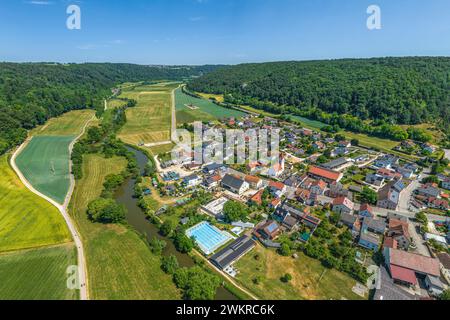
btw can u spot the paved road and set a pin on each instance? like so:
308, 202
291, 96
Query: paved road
63, 210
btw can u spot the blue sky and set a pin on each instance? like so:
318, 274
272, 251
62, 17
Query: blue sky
220, 31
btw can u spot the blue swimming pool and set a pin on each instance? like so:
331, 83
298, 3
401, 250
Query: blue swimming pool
208, 237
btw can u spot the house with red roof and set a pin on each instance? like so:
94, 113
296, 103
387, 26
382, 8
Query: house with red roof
318, 187
343, 205
399, 230
405, 267
257, 197
366, 210
326, 175
253, 181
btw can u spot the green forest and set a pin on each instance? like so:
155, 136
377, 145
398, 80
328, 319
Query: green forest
31, 93
361, 95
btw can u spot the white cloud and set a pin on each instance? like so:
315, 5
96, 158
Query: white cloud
40, 2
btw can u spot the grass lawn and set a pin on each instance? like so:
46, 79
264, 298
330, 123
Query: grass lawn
45, 164
26, 220
205, 107
68, 124
38, 274
310, 280
120, 264
150, 121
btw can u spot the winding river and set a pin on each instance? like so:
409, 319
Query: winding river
137, 219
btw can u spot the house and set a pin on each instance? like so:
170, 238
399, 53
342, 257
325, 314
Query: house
428, 147
212, 182
387, 161
318, 187
386, 174
444, 259
294, 181
192, 181
434, 285
324, 174
446, 183
390, 242
289, 222
374, 179
404, 266
440, 204
318, 145
277, 188
234, 184
352, 222
399, 230
405, 172
429, 190
310, 221
369, 240
340, 151
373, 225
338, 164
344, 144
387, 290
253, 167
274, 203
439, 239
253, 181
213, 168
257, 197
302, 195
343, 205
337, 190
388, 197
269, 230
365, 210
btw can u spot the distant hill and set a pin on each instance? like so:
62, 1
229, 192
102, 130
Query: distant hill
31, 93
388, 90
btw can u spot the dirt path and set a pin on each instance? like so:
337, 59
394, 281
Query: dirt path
63, 210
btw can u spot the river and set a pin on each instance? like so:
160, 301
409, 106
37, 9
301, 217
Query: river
137, 219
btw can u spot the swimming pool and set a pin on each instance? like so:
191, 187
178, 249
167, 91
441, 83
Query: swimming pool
208, 237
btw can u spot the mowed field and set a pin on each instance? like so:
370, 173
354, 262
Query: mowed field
310, 280
68, 124
45, 164
120, 264
151, 119
206, 110
26, 220
37, 274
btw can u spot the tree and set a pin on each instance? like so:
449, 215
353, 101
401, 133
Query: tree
157, 245
369, 196
422, 218
105, 211
166, 228
169, 264
286, 278
445, 295
355, 142
196, 283
94, 135
235, 211
285, 249
182, 243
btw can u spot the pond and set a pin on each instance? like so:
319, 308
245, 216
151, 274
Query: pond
138, 220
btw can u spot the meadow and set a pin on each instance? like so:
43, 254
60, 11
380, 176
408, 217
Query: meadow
37, 274
120, 263
68, 124
26, 220
207, 110
151, 119
310, 280
45, 164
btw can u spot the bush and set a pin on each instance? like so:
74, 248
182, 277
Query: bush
286, 278
106, 211
157, 246
169, 264
196, 283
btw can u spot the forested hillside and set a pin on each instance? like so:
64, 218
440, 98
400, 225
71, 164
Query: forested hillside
31, 93
388, 90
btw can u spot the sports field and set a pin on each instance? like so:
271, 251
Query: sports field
37, 274
26, 220
190, 109
120, 264
310, 280
45, 164
151, 119
68, 124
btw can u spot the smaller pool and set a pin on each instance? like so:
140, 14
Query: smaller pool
208, 237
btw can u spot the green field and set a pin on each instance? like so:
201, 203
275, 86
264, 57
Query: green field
310, 280
38, 274
26, 220
68, 124
206, 110
120, 264
151, 119
45, 164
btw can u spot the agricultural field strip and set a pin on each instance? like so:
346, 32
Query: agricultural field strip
63, 209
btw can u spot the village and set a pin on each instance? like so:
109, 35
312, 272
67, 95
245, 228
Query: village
395, 210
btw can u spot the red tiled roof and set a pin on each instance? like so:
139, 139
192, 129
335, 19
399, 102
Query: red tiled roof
252, 179
277, 185
365, 207
343, 201
321, 184
390, 242
414, 262
257, 197
328, 174
403, 274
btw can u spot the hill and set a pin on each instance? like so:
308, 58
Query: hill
389, 91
